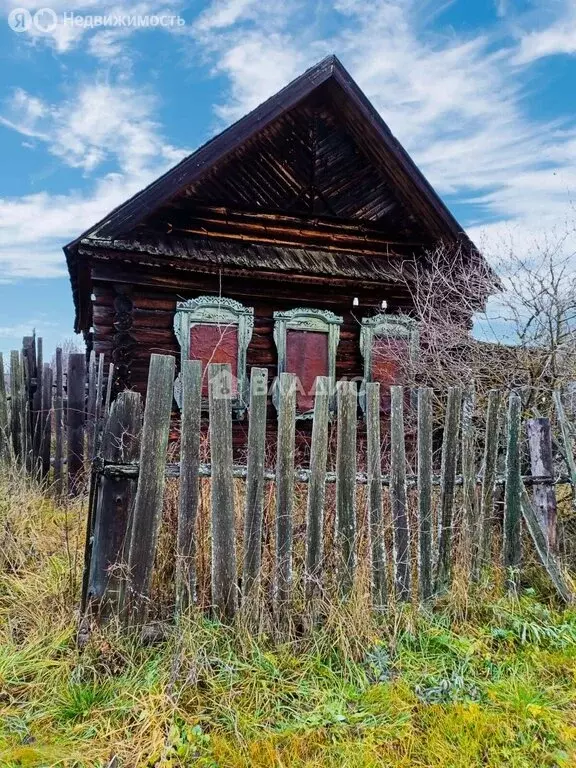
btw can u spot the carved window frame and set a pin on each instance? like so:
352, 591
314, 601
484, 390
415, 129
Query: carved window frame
392, 327
304, 319
218, 311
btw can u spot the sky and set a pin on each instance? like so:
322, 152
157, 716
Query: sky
482, 93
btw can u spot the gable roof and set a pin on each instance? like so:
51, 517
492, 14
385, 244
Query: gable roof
384, 150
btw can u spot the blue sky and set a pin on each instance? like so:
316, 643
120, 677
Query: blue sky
482, 93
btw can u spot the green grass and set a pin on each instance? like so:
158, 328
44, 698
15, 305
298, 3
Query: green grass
490, 684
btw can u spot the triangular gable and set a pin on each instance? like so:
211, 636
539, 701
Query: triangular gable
388, 170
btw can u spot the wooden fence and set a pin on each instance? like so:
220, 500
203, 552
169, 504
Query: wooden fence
398, 531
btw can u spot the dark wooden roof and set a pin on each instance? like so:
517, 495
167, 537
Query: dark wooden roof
316, 148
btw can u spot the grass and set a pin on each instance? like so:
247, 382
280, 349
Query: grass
489, 681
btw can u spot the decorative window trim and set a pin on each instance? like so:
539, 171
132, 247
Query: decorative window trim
215, 310
392, 326
304, 319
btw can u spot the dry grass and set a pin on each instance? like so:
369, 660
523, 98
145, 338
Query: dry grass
482, 681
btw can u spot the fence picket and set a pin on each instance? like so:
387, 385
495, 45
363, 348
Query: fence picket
425, 493
91, 406
375, 513
58, 425
113, 504
109, 384
512, 549
36, 420
16, 407
253, 511
469, 516
567, 440
400, 523
317, 488
483, 541
539, 434
149, 496
447, 483
347, 398
224, 584
75, 384
189, 484
46, 420
4, 418
285, 492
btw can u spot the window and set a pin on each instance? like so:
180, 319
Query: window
306, 340
213, 329
388, 343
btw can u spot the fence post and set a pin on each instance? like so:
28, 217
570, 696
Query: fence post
4, 420
469, 519
36, 402
375, 514
425, 493
58, 425
542, 466
224, 579
254, 482
346, 485
512, 507
109, 390
483, 541
75, 419
188, 498
46, 420
317, 487
99, 404
16, 407
91, 406
113, 504
447, 483
401, 525
285, 492
150, 494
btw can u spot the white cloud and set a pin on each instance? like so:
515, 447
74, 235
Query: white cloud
558, 37
33, 228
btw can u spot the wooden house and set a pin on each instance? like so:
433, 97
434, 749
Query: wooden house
275, 244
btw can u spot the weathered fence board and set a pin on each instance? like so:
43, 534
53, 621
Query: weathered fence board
75, 413
400, 523
58, 409
46, 420
512, 548
347, 399
253, 512
189, 484
491, 442
149, 496
114, 496
17, 406
375, 511
4, 417
447, 484
425, 493
539, 435
285, 493
224, 578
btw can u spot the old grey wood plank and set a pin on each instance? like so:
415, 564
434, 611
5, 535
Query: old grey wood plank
16, 406
375, 508
36, 420
548, 558
567, 440
224, 574
512, 546
483, 546
150, 494
91, 406
46, 420
58, 425
468, 462
109, 384
447, 483
5, 448
539, 435
189, 484
285, 492
346, 461
75, 419
400, 521
317, 488
424, 472
114, 497
99, 410
254, 483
